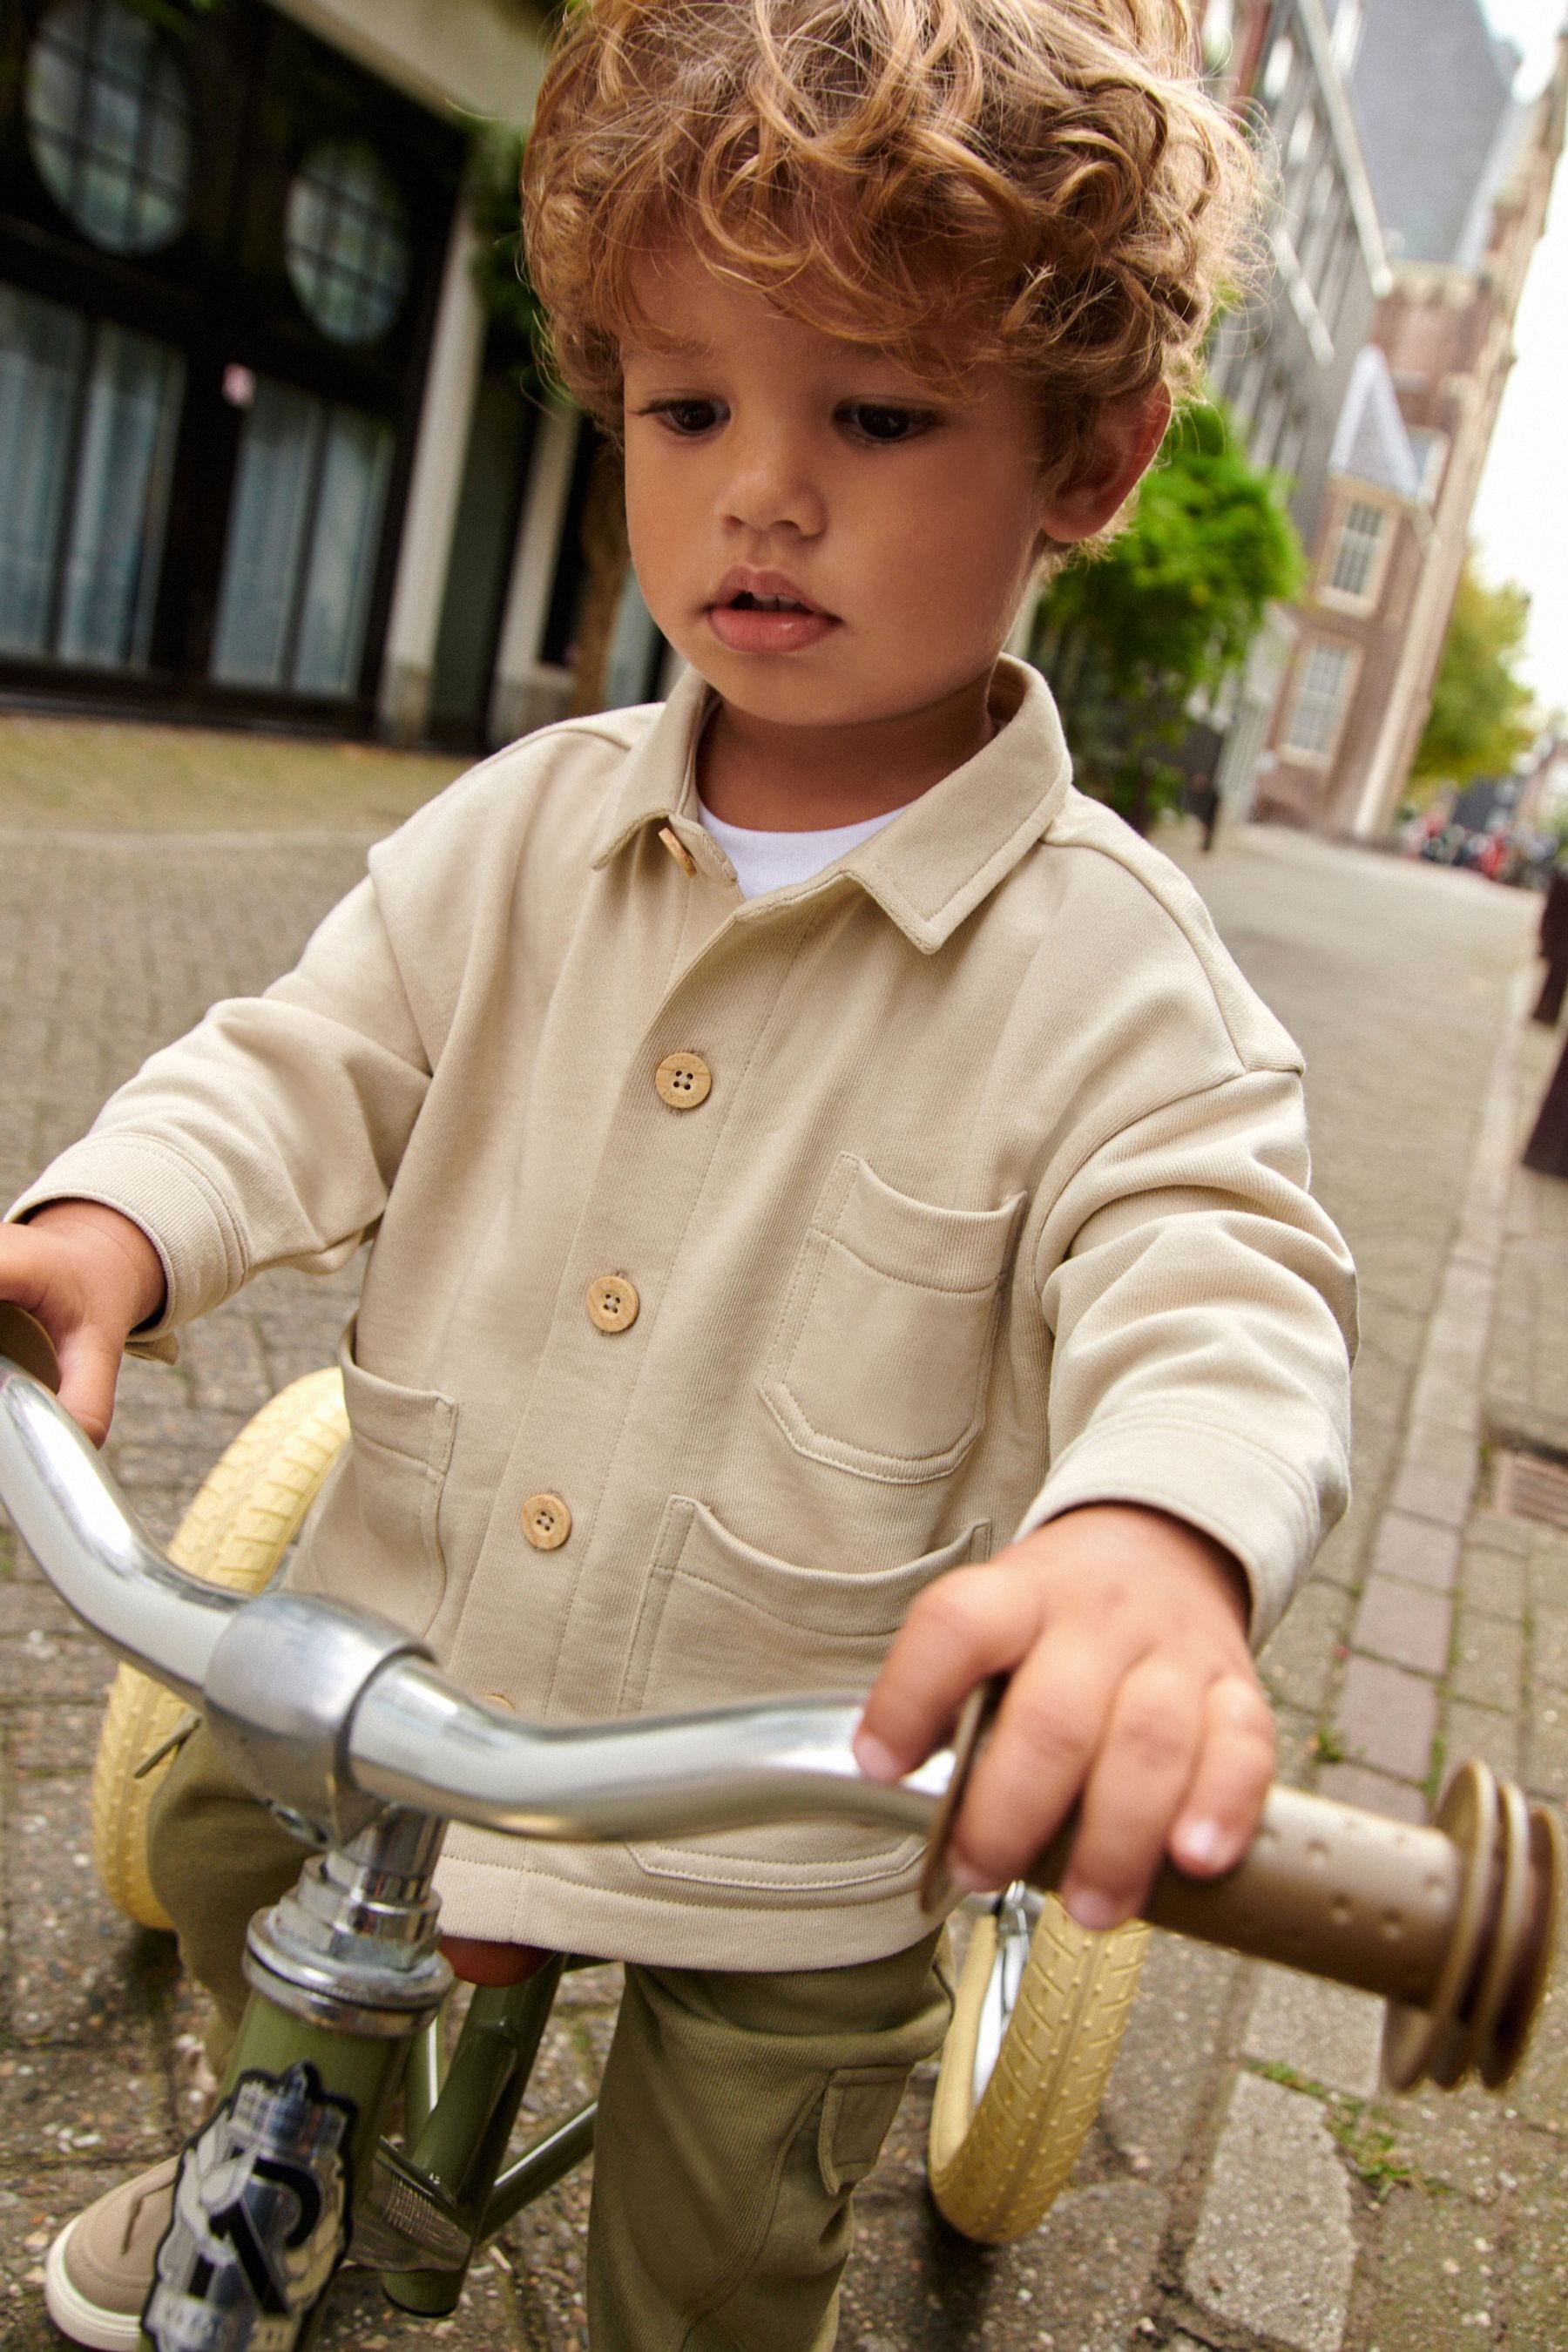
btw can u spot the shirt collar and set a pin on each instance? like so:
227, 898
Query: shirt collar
938, 859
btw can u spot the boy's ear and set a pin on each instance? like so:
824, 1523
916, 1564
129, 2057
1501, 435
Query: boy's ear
1127, 440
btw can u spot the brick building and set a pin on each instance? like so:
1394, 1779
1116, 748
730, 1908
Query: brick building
1462, 175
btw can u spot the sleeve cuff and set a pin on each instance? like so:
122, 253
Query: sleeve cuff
1263, 1510
176, 1207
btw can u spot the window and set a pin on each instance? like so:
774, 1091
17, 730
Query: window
303, 535
1322, 691
1355, 573
88, 418
109, 122
347, 242
1430, 451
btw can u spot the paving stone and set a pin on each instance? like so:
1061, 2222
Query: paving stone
1416, 1551
1484, 1732
33, 1608
1083, 2279
1546, 1754
1273, 2250
54, 1739
1298, 1664
1327, 2033
51, 1666
1489, 1660
1493, 1532
76, 1965
1163, 2080
1403, 1623
1441, 1497
1549, 1648
1353, 1784
1387, 1717
110, 2101
1537, 2312
1493, 1582
1433, 2284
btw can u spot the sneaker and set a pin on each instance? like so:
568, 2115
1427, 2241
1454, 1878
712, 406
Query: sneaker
99, 2269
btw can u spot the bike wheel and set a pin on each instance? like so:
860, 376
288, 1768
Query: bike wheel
236, 1531
1039, 2015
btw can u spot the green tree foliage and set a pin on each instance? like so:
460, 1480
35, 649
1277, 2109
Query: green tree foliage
500, 272
1482, 719
1171, 607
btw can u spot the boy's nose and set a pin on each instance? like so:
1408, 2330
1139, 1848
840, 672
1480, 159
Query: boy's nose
770, 489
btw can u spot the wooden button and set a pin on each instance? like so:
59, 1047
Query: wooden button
683, 1080
678, 850
546, 1522
612, 1303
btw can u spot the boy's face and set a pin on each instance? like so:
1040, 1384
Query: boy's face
825, 539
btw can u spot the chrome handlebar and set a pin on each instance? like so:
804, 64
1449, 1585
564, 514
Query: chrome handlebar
340, 1716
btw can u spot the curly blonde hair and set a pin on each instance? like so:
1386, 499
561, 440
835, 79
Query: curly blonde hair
1043, 183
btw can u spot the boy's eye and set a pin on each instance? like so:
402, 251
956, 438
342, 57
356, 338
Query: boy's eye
685, 417
879, 421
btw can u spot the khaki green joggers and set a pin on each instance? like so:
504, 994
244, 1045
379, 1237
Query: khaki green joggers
736, 2114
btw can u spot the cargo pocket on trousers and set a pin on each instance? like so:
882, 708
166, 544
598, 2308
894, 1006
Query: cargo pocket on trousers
857, 2117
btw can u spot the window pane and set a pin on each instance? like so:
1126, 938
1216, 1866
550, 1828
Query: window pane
273, 495
1321, 684
121, 499
43, 349
347, 244
1356, 554
110, 123
342, 554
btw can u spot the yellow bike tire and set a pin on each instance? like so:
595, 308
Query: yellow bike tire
240, 1524
995, 2166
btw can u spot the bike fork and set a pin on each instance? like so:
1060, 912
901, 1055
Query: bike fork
344, 1973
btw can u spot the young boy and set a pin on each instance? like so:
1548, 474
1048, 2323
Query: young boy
803, 1143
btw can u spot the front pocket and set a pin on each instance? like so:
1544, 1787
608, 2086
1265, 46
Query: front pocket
881, 1362
723, 1623
389, 1494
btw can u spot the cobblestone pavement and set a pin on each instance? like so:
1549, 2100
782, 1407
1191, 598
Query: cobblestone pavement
1245, 2186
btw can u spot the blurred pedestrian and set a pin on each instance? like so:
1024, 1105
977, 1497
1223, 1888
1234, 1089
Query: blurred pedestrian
1547, 1151
1554, 947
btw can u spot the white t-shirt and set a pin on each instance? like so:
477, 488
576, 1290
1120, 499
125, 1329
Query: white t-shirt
766, 861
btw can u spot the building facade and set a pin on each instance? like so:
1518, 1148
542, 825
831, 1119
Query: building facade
1358, 684
1283, 363
264, 458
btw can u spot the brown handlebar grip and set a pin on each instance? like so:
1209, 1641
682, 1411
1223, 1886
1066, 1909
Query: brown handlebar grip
28, 1345
1453, 1925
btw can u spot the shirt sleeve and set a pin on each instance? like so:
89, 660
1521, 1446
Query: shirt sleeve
269, 1136
1203, 1312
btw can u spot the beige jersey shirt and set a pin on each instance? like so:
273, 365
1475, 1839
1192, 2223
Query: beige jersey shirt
739, 1266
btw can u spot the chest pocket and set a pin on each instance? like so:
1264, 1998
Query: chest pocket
880, 1361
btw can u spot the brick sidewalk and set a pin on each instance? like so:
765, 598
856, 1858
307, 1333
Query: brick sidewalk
1244, 2186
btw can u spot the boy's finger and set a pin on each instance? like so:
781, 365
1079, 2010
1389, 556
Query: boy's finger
1137, 1784
1049, 1726
89, 1369
962, 1629
1235, 1766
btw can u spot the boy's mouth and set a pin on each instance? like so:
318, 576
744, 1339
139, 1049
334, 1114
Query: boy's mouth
759, 615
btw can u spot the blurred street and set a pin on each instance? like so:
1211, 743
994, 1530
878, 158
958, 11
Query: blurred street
1246, 2185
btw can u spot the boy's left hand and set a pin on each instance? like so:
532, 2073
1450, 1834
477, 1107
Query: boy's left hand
1131, 1688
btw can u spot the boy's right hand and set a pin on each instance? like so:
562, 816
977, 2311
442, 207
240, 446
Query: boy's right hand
90, 1277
